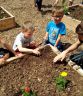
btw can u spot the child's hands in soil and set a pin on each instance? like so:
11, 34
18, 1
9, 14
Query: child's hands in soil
35, 51
60, 57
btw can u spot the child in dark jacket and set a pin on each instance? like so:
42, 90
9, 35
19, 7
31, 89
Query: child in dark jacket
38, 4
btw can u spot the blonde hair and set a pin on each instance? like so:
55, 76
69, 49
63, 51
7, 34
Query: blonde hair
28, 25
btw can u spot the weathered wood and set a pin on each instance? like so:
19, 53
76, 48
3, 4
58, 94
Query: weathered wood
76, 67
6, 23
70, 23
54, 49
14, 58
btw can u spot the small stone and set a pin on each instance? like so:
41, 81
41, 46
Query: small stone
39, 79
68, 89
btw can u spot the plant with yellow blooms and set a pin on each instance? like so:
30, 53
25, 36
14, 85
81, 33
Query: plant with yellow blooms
61, 81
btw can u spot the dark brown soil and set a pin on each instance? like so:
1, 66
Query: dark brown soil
3, 14
76, 12
40, 73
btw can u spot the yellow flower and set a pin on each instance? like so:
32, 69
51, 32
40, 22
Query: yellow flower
64, 74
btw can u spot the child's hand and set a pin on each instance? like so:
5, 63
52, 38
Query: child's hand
2, 60
32, 44
19, 54
36, 52
60, 57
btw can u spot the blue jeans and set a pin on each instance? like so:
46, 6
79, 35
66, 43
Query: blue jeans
77, 58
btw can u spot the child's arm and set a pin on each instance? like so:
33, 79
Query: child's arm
22, 49
61, 34
64, 53
45, 39
46, 36
58, 39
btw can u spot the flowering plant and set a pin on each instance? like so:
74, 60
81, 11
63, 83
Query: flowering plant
26, 91
61, 81
63, 74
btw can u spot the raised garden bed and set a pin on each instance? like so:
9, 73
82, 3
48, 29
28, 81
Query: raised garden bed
40, 73
7, 20
75, 16
76, 12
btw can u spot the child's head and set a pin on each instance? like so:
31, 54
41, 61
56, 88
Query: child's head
28, 29
79, 31
57, 15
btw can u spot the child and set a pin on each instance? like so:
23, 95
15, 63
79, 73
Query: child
24, 41
55, 29
77, 57
38, 4
6, 52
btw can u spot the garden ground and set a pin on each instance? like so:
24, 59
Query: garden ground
38, 71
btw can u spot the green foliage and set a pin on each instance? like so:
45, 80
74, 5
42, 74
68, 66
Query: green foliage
61, 83
66, 9
28, 93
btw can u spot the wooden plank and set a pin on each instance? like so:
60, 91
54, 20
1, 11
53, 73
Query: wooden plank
6, 11
70, 22
11, 59
54, 49
6, 23
76, 67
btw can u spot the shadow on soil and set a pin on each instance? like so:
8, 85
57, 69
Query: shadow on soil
47, 6
46, 9
16, 26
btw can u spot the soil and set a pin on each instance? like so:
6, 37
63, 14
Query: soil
3, 14
76, 12
40, 73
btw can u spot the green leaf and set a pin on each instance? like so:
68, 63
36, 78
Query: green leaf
26, 94
61, 83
